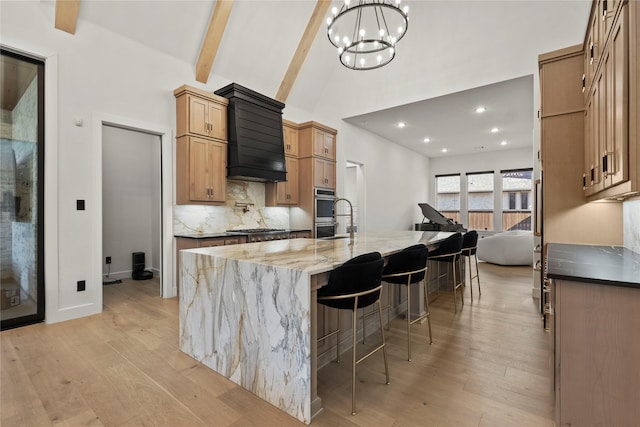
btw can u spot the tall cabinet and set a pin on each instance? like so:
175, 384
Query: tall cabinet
610, 80
201, 146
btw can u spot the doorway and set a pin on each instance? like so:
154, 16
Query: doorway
21, 190
354, 192
131, 204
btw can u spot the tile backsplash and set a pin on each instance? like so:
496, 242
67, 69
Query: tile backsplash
631, 224
201, 219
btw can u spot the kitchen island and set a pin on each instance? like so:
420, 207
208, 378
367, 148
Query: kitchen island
248, 311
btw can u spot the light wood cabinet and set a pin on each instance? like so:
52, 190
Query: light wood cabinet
317, 140
324, 173
200, 171
284, 193
290, 134
611, 85
200, 113
201, 149
596, 354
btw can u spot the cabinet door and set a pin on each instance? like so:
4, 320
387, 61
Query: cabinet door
207, 243
598, 130
588, 143
319, 179
198, 113
199, 189
330, 174
217, 154
290, 141
216, 119
292, 181
318, 142
617, 151
329, 146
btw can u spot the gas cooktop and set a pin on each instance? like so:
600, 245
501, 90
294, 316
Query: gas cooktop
257, 230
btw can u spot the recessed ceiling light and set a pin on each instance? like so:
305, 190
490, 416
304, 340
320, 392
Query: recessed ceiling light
503, 143
426, 140
494, 130
401, 124
444, 150
480, 110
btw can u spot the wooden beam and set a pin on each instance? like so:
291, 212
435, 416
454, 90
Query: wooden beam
213, 38
67, 15
317, 18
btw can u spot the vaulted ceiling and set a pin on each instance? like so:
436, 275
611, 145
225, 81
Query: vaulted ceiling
276, 48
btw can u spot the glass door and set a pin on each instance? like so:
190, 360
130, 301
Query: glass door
21, 190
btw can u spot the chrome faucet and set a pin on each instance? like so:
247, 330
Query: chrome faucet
350, 216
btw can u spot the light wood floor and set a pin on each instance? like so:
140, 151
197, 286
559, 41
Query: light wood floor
487, 367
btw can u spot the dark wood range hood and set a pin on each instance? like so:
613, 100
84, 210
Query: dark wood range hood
256, 146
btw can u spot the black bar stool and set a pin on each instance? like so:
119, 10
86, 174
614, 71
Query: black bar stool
449, 252
353, 285
406, 268
469, 249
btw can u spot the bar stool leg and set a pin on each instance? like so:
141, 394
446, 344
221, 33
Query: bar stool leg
353, 359
426, 306
470, 279
338, 340
455, 291
477, 272
409, 319
384, 345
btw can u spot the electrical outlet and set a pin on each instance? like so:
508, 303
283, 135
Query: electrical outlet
81, 285
80, 205
108, 260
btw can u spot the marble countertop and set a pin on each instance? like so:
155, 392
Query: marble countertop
316, 256
605, 265
196, 235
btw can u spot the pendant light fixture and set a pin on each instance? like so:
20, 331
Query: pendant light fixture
366, 32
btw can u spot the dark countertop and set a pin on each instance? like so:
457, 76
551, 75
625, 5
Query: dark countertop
604, 265
223, 234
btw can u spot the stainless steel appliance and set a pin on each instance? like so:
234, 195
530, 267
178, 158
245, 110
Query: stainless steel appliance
325, 225
261, 234
325, 230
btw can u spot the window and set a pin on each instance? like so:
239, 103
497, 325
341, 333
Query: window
480, 200
448, 196
516, 191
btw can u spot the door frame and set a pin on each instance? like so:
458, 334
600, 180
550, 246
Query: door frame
167, 289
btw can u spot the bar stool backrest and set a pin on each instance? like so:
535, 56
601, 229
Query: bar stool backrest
359, 274
451, 245
409, 259
469, 243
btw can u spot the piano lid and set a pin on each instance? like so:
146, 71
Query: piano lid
433, 215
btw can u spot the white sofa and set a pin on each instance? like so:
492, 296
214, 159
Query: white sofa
507, 248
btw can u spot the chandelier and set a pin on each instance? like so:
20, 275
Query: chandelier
366, 32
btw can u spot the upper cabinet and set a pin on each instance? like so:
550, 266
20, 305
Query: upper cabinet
317, 140
200, 113
201, 146
610, 87
290, 131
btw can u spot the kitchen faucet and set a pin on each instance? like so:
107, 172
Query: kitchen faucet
350, 214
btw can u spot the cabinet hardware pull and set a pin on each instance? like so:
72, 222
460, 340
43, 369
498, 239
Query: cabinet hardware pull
584, 83
604, 9
584, 181
605, 166
591, 50
593, 174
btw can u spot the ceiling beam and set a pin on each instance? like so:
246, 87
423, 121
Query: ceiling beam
67, 15
316, 19
213, 38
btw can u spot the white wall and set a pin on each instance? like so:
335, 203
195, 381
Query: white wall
130, 199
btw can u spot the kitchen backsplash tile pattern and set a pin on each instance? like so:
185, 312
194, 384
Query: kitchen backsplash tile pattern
631, 224
200, 219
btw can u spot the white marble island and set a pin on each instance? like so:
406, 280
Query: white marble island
248, 311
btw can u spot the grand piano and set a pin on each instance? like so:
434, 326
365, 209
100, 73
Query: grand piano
436, 221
